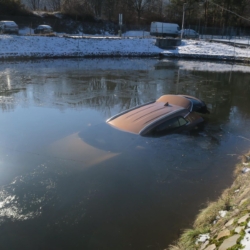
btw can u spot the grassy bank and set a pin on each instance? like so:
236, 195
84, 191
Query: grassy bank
224, 220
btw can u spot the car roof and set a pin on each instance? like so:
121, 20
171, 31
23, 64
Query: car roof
139, 119
44, 26
188, 30
8, 22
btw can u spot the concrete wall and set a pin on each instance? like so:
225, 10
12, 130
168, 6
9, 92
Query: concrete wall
166, 43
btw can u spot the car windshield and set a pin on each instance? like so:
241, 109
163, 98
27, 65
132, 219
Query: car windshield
190, 31
44, 27
10, 23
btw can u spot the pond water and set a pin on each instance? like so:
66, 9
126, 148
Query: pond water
69, 181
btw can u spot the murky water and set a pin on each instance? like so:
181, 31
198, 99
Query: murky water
69, 181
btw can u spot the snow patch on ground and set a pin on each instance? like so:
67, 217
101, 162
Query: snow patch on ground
32, 46
136, 33
246, 240
202, 238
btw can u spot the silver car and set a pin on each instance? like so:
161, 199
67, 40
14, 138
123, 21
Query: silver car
9, 27
189, 33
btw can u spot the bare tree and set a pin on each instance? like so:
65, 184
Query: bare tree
53, 5
34, 4
139, 6
109, 8
77, 7
96, 7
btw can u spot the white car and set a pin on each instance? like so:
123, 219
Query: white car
188, 33
8, 27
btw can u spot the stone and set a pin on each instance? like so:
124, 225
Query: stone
211, 247
238, 229
223, 234
245, 192
243, 218
229, 242
204, 245
166, 43
229, 223
236, 210
243, 201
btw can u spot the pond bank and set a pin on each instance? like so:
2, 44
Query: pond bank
244, 60
37, 47
225, 223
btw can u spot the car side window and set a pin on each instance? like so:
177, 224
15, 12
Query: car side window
171, 124
182, 121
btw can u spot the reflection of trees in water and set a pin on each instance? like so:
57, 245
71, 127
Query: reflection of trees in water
100, 93
212, 87
103, 94
241, 92
121, 89
8, 88
225, 93
6, 103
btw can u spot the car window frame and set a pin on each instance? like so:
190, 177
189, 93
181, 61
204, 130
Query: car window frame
170, 128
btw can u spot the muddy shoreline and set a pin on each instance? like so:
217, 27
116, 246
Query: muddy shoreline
162, 55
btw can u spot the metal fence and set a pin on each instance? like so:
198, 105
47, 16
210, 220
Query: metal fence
227, 33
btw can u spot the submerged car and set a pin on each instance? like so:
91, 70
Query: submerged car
188, 33
43, 29
168, 114
8, 27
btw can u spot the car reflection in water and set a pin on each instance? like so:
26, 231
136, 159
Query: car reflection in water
167, 115
104, 137
97, 143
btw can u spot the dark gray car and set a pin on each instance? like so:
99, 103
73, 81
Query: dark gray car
43, 29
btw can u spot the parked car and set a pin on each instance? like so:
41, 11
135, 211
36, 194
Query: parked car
8, 27
188, 33
168, 114
43, 29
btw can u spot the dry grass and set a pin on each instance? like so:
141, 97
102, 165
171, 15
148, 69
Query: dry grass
208, 215
238, 170
178, 246
187, 239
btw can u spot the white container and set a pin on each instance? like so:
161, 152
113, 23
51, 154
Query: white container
164, 29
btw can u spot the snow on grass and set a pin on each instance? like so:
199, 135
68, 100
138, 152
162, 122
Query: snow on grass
136, 33
66, 46
78, 46
245, 242
209, 48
